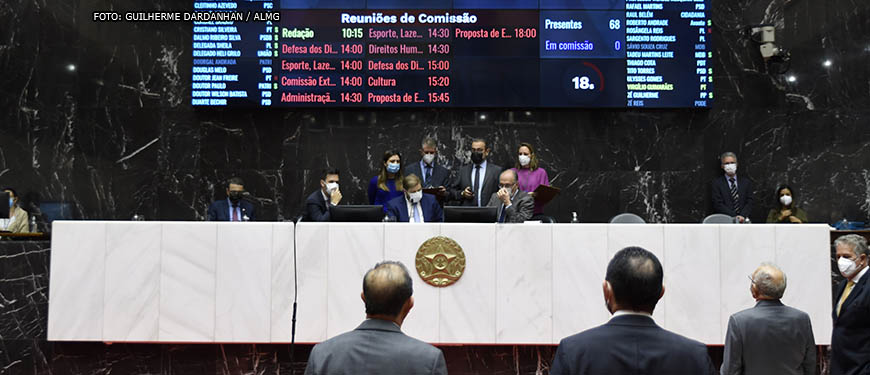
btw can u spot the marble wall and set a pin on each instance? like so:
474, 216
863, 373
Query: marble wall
24, 270
116, 136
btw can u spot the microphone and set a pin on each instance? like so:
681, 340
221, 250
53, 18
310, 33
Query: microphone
295, 295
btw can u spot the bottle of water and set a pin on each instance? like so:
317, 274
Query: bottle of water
843, 224
33, 228
574, 218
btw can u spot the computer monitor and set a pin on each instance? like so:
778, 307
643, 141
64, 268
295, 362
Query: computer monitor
4, 205
459, 214
356, 213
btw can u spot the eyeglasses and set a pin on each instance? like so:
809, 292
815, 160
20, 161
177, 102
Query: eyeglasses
751, 279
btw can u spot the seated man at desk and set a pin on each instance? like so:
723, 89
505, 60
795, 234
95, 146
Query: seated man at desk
514, 205
318, 203
414, 206
18, 220
233, 208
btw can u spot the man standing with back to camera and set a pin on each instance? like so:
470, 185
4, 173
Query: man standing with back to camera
378, 345
631, 342
770, 338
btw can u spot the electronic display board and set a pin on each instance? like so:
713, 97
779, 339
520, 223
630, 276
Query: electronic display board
453, 53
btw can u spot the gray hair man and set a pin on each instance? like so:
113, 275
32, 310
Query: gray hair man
850, 342
378, 345
431, 173
770, 338
732, 194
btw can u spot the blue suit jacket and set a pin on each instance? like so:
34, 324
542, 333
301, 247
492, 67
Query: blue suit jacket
220, 210
631, 344
432, 212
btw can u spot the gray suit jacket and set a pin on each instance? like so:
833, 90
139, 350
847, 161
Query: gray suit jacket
522, 207
375, 347
770, 338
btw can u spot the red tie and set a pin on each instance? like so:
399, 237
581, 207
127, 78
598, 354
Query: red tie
235, 214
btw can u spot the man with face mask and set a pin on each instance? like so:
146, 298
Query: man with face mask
477, 181
850, 342
414, 206
432, 174
731, 195
631, 342
234, 208
514, 205
317, 204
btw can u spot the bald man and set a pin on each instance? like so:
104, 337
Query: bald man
514, 205
378, 345
770, 338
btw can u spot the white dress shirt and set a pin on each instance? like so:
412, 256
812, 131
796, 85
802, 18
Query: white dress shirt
411, 211
482, 178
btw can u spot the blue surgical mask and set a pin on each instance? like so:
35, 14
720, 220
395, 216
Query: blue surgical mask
393, 167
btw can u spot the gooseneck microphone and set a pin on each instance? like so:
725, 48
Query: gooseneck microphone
295, 294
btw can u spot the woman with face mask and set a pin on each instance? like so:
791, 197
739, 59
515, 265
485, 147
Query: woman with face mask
530, 175
18, 221
388, 183
786, 211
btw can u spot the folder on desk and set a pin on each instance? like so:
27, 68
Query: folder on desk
544, 194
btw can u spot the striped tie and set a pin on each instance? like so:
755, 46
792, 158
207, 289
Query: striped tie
735, 198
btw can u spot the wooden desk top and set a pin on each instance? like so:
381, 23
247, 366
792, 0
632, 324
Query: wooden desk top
25, 236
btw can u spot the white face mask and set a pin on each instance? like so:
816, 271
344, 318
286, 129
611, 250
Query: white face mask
331, 187
428, 158
785, 200
847, 266
731, 168
525, 160
415, 197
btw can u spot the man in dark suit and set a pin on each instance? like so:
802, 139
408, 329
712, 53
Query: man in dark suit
317, 204
850, 342
234, 208
476, 182
770, 338
432, 174
631, 342
414, 206
514, 205
732, 196
378, 345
